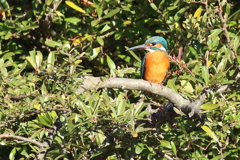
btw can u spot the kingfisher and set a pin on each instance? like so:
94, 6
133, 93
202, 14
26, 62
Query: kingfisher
156, 62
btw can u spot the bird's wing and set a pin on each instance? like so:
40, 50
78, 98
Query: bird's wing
143, 67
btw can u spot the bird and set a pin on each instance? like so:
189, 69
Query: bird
156, 62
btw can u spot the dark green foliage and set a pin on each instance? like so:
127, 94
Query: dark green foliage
48, 46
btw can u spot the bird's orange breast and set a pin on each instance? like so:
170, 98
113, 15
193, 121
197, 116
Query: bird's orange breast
156, 66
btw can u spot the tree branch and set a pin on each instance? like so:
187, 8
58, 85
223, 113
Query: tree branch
224, 28
42, 146
181, 103
22, 139
227, 88
49, 141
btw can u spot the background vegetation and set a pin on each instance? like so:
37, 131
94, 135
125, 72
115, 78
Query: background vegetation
47, 47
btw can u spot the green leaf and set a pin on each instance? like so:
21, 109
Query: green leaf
178, 111
187, 86
209, 106
205, 74
117, 36
125, 57
27, 27
8, 35
165, 143
72, 19
100, 40
139, 148
235, 43
99, 9
95, 52
32, 62
171, 84
110, 63
153, 6
215, 33
174, 149
210, 132
172, 8
44, 89
3, 68
50, 61
138, 108
94, 23
12, 154
179, 14
105, 28
111, 13
87, 109
53, 43
39, 59
121, 107
44, 120
8, 55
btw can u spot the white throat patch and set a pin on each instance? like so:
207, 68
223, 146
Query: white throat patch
162, 48
150, 50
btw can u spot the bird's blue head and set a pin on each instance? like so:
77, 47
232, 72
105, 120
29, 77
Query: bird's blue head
152, 44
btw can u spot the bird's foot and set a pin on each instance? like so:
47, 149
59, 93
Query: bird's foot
150, 82
161, 84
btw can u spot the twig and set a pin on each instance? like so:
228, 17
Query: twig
224, 28
43, 147
204, 3
180, 62
227, 88
5, 136
49, 141
165, 20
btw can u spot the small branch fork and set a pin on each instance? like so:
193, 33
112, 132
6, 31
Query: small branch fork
43, 146
181, 63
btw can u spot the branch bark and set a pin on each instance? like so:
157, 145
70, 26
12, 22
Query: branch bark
185, 105
224, 28
44, 146
33, 141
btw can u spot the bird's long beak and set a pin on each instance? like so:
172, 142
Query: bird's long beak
142, 46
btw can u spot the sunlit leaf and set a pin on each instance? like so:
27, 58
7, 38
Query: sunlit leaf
153, 6
173, 147
100, 40
110, 63
12, 154
32, 62
52, 43
205, 74
74, 6
139, 148
209, 106
72, 19
198, 12
210, 132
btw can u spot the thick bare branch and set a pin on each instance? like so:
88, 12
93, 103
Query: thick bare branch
181, 103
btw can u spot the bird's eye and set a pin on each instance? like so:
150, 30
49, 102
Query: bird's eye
153, 44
